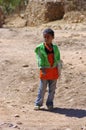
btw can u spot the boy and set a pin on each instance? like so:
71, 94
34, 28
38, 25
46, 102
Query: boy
48, 57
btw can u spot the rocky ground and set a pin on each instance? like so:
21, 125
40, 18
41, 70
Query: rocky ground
19, 79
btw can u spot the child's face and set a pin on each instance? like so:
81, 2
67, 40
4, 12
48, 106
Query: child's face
48, 38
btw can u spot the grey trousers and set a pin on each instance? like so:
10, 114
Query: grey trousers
42, 89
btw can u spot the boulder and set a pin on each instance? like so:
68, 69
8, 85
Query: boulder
15, 21
78, 5
75, 17
43, 11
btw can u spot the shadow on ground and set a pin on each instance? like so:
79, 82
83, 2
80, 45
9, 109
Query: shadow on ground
78, 113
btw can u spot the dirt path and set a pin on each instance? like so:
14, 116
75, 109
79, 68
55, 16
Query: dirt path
19, 81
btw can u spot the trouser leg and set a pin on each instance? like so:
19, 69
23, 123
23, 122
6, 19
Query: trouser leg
41, 92
51, 92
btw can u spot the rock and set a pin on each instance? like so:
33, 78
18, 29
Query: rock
75, 5
17, 115
43, 11
14, 126
11, 125
16, 21
19, 123
80, 57
25, 66
74, 17
3, 123
83, 128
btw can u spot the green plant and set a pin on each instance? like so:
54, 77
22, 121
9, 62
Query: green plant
10, 5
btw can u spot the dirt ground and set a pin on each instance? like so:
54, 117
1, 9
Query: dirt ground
19, 79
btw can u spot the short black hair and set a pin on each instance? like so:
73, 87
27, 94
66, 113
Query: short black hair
48, 31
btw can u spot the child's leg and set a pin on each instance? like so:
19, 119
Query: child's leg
51, 92
41, 92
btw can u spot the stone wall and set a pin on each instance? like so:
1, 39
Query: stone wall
42, 11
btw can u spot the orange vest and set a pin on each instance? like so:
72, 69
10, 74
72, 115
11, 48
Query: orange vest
49, 73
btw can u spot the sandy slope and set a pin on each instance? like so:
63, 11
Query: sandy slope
19, 81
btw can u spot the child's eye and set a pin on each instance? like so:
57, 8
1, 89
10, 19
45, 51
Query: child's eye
46, 37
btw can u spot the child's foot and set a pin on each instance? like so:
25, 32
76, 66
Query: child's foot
50, 108
36, 107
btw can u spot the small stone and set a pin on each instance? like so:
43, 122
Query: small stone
11, 125
2, 123
15, 126
66, 87
80, 57
19, 123
83, 128
25, 66
77, 52
17, 115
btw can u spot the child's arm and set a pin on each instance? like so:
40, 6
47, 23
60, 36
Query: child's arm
40, 58
59, 63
